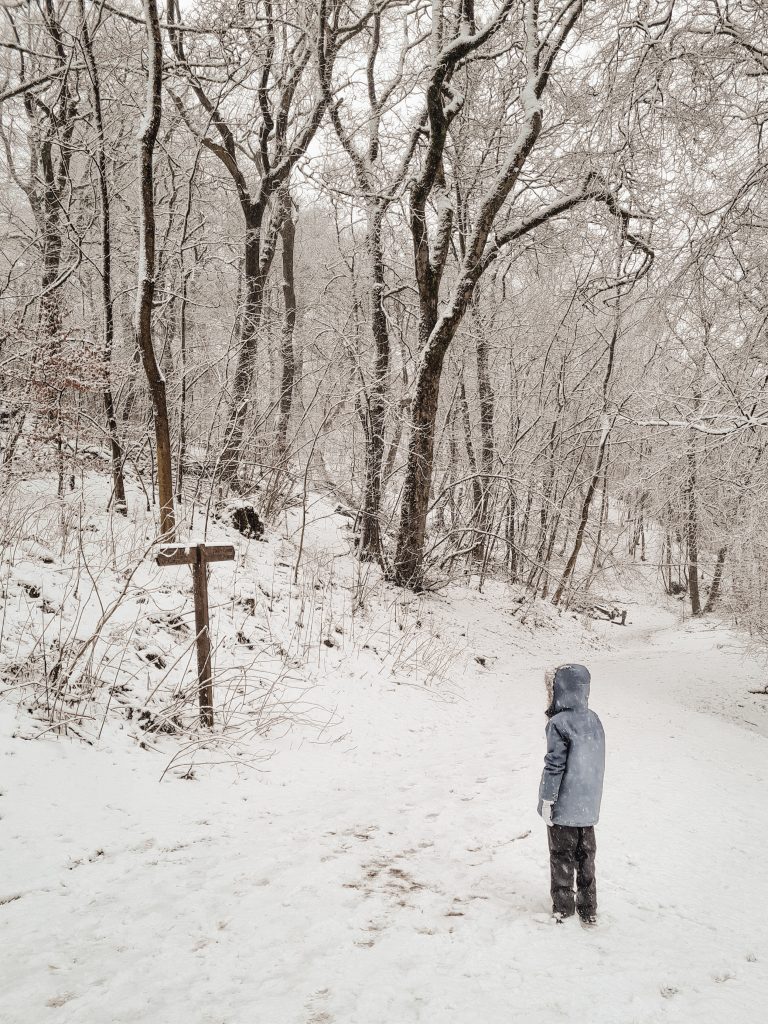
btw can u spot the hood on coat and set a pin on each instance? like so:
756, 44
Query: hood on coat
567, 689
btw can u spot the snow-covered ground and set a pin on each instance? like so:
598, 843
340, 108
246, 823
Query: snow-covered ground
386, 865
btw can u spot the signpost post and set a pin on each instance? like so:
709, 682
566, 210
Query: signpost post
197, 556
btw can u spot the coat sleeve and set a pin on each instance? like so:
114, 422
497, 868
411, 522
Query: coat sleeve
554, 762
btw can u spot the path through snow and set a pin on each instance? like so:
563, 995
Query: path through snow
400, 874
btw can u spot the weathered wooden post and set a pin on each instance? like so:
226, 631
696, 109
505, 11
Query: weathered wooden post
197, 556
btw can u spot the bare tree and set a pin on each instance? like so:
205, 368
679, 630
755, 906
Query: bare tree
376, 188
437, 329
118, 482
147, 138
273, 52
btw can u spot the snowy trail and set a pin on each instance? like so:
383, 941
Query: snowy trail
401, 875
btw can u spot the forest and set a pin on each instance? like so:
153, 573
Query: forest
383, 412
487, 272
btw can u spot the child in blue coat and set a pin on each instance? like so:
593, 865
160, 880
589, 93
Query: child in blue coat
571, 790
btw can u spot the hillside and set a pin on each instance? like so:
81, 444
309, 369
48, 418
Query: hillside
362, 846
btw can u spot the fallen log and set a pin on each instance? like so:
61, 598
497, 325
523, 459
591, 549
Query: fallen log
618, 616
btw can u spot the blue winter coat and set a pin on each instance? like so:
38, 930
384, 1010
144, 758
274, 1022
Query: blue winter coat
575, 761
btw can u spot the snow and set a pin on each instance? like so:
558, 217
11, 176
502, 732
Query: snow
530, 101
382, 860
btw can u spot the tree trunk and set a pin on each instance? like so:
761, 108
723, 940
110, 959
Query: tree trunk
547, 490
255, 271
371, 545
511, 537
146, 276
253, 294
477, 487
666, 562
570, 565
605, 424
522, 542
288, 373
717, 578
692, 531
418, 472
487, 445
118, 481
183, 389
601, 524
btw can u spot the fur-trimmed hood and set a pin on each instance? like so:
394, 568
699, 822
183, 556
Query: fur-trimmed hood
567, 689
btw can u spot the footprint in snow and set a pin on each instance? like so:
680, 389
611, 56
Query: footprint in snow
56, 1001
318, 1014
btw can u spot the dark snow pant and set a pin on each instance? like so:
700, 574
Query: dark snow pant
572, 849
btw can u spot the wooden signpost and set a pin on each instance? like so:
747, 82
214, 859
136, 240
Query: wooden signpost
198, 556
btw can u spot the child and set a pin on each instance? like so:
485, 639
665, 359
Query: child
570, 791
